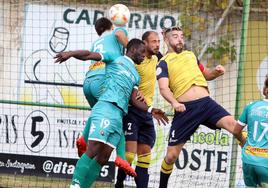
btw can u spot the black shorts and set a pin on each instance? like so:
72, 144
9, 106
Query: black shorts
139, 126
203, 111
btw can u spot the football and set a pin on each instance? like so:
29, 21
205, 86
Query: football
119, 14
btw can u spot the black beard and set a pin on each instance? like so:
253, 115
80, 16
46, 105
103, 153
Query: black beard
178, 50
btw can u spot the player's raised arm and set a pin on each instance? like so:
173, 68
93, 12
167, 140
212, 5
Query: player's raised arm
78, 54
121, 36
158, 114
211, 74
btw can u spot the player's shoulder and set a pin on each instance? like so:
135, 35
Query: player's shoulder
125, 59
120, 29
152, 60
187, 54
253, 103
168, 58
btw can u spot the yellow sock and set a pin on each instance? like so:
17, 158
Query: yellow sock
144, 160
166, 168
130, 157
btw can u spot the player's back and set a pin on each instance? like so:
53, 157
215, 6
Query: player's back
121, 77
106, 43
255, 150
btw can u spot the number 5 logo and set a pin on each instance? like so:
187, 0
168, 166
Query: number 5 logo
36, 131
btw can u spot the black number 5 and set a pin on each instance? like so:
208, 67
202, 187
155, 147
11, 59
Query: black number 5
34, 132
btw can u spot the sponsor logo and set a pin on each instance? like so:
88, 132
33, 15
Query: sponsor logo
158, 71
17, 164
36, 131
172, 140
128, 133
58, 168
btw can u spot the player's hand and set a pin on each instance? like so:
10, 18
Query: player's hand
244, 136
160, 116
62, 56
220, 70
179, 107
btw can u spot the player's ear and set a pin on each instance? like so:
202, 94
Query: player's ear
145, 42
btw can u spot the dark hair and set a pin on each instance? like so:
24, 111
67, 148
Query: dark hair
103, 24
134, 43
147, 34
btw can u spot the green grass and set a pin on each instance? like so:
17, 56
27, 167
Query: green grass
11, 181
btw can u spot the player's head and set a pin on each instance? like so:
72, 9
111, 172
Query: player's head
103, 24
152, 42
136, 50
265, 87
173, 37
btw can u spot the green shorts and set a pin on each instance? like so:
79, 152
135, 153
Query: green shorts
106, 123
255, 175
93, 87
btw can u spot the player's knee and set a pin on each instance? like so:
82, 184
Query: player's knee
228, 123
102, 158
144, 160
130, 157
171, 157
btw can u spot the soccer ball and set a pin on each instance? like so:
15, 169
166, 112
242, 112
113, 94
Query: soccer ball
119, 14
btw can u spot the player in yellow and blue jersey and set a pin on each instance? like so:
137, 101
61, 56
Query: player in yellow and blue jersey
106, 118
138, 126
182, 82
255, 150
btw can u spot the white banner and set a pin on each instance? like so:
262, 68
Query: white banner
51, 132
42, 131
204, 161
49, 30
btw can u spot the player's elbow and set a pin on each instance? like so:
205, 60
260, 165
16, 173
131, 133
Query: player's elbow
121, 37
163, 90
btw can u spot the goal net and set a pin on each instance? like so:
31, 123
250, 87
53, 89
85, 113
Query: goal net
43, 109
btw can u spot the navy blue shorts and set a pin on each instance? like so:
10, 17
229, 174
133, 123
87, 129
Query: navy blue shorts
203, 111
139, 126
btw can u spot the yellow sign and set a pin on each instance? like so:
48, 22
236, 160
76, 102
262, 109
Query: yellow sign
256, 62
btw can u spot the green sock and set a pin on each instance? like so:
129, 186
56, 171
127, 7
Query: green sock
86, 129
94, 173
121, 147
82, 169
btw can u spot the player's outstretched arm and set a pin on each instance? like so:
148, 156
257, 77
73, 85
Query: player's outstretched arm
158, 114
78, 54
121, 37
214, 73
241, 135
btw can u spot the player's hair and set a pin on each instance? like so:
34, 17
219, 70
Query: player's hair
134, 44
103, 24
147, 34
173, 28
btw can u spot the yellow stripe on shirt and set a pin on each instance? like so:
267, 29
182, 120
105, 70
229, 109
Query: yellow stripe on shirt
259, 152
